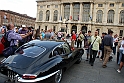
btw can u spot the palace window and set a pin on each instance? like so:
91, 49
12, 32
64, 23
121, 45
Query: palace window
47, 15
99, 16
66, 11
41, 6
56, 6
111, 4
121, 19
86, 12
54, 28
109, 30
100, 5
40, 15
121, 33
45, 28
122, 4
55, 15
39, 27
48, 6
76, 10
110, 18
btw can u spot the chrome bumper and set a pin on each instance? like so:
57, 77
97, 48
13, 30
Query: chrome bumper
20, 79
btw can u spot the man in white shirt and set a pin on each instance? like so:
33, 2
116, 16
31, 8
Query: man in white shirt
95, 42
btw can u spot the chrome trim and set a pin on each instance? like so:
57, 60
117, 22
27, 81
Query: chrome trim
3, 60
20, 79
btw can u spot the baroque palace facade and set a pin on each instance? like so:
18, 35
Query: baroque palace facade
85, 15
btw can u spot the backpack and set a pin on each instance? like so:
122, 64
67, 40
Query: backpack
5, 41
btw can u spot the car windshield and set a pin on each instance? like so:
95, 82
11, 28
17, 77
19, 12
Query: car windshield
30, 50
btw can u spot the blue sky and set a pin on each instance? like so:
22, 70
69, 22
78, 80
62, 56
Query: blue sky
28, 7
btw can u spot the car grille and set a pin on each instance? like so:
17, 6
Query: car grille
11, 74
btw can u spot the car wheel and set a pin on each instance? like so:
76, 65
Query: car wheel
58, 77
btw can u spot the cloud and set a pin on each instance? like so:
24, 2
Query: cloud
28, 7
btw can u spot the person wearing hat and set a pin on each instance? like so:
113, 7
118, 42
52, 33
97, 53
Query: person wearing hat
13, 36
23, 31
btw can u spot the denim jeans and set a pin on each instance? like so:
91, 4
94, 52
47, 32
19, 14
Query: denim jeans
120, 56
114, 50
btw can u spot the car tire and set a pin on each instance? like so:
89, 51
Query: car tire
58, 77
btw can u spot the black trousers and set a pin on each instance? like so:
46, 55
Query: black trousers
117, 57
79, 43
102, 56
93, 54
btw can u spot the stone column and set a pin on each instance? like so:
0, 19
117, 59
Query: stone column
62, 11
91, 11
59, 13
69, 28
51, 13
71, 11
116, 16
44, 15
78, 28
80, 15
37, 13
105, 13
94, 13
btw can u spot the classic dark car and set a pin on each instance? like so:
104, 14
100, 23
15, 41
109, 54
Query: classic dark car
40, 61
1, 45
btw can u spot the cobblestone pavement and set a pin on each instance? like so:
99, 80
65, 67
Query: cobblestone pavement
84, 73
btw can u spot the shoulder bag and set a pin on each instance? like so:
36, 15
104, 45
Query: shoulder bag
91, 46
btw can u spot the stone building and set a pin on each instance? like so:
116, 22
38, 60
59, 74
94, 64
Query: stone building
76, 15
7, 16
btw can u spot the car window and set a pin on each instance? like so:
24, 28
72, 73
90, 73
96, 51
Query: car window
30, 50
66, 48
57, 51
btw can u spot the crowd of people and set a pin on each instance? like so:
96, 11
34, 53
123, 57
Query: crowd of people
93, 43
105, 46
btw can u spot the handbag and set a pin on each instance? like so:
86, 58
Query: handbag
8, 51
116, 43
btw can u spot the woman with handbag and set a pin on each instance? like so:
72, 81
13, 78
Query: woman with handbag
80, 39
115, 43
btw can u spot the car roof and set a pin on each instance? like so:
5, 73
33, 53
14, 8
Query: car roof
46, 44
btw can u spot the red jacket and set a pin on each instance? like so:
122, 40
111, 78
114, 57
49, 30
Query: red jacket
73, 37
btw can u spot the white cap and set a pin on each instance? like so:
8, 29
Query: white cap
23, 26
15, 27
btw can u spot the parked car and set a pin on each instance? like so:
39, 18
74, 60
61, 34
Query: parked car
1, 45
40, 61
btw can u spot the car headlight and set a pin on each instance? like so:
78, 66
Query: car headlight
29, 76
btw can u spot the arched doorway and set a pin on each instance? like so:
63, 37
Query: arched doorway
84, 29
74, 28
